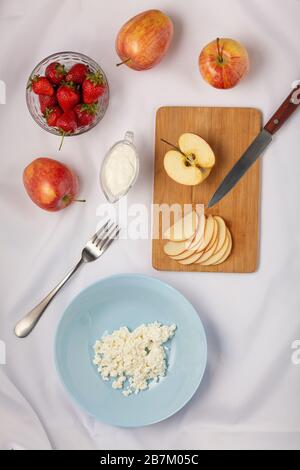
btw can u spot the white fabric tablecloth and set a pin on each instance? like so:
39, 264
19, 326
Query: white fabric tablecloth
250, 395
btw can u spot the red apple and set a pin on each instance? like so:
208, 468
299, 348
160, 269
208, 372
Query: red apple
50, 184
144, 40
224, 63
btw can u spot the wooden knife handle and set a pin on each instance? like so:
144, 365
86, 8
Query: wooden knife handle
287, 108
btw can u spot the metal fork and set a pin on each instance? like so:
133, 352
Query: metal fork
94, 248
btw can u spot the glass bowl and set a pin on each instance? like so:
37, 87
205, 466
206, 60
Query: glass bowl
68, 59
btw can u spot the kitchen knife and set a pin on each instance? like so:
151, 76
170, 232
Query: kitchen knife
258, 146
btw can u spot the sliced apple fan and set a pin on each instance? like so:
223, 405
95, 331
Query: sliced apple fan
197, 239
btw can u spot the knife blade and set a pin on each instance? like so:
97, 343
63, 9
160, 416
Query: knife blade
258, 146
255, 150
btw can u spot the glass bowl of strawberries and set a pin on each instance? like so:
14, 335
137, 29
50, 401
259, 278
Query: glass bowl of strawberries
67, 94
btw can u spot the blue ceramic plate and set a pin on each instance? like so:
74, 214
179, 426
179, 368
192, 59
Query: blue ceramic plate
130, 300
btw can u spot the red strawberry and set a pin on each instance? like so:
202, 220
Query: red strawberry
41, 86
67, 124
86, 113
47, 102
68, 96
93, 87
55, 72
52, 115
77, 73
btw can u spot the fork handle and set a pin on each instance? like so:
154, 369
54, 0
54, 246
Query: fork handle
26, 324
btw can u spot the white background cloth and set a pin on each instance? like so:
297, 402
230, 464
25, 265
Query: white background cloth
250, 394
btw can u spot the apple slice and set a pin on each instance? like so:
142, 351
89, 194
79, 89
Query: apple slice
208, 253
193, 248
176, 248
228, 251
197, 149
191, 259
181, 171
222, 233
184, 229
199, 237
216, 257
208, 234
214, 235
186, 254
196, 251
197, 240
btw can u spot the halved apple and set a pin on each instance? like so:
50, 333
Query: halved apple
190, 163
182, 172
197, 150
184, 229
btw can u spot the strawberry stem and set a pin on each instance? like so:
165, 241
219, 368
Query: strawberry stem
124, 62
31, 81
71, 85
96, 78
90, 108
62, 140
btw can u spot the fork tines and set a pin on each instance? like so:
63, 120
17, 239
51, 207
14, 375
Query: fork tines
105, 235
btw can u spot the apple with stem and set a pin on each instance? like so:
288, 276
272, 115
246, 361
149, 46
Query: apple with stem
50, 185
143, 41
190, 162
223, 63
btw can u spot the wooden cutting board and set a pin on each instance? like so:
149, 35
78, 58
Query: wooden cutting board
229, 131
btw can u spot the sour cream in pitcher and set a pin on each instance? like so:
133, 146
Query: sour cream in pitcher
120, 169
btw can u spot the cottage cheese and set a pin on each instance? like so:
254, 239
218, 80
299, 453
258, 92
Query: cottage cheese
133, 359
